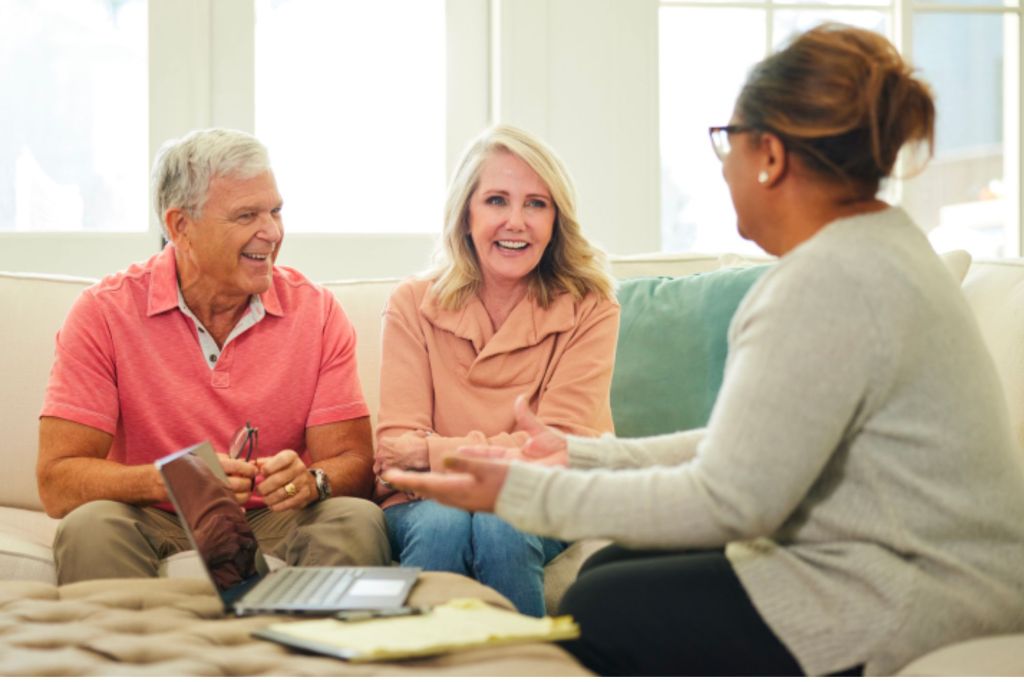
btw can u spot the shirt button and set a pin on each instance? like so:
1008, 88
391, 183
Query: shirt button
213, 358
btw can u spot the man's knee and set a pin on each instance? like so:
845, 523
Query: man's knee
102, 539
92, 522
339, 531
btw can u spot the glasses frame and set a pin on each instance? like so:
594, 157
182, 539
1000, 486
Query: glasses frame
245, 439
720, 137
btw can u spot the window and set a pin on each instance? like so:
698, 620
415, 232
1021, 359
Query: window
354, 148
967, 197
73, 152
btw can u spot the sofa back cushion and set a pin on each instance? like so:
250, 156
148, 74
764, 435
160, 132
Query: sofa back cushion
995, 291
363, 302
33, 309
672, 348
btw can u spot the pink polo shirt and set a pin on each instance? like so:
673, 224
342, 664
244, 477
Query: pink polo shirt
128, 363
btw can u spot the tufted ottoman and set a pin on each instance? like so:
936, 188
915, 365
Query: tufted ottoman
175, 626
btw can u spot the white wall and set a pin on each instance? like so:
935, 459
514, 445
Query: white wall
582, 74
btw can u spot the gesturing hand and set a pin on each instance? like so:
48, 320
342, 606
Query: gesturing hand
545, 445
470, 484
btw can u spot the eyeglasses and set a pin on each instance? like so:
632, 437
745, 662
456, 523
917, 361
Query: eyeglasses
720, 138
244, 440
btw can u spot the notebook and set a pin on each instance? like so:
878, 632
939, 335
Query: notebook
458, 625
220, 533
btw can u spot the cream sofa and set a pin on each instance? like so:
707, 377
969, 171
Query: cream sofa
32, 308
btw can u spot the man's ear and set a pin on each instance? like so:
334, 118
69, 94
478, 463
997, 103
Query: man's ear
774, 159
177, 223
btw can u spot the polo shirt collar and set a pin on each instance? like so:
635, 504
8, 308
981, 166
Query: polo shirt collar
163, 287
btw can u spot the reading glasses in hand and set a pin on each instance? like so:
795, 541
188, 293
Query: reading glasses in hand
243, 445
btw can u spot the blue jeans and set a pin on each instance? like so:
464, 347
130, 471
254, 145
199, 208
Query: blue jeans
438, 538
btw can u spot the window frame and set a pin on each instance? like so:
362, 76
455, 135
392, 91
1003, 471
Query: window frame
201, 75
901, 15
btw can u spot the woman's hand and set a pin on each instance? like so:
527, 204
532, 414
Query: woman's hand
545, 445
469, 483
408, 451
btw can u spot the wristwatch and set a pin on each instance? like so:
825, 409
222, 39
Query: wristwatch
323, 484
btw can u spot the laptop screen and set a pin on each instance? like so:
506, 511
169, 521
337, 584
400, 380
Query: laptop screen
214, 520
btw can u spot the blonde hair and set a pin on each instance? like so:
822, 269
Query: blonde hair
570, 264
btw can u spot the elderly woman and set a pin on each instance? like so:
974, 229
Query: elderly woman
521, 304
858, 468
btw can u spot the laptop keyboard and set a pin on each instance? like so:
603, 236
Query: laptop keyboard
301, 586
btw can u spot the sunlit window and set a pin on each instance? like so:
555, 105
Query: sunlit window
350, 99
73, 96
966, 198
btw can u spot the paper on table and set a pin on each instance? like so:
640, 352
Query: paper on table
459, 624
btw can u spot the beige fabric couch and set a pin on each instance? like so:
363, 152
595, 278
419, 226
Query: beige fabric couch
32, 308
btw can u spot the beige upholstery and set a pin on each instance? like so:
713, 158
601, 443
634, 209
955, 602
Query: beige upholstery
175, 627
33, 307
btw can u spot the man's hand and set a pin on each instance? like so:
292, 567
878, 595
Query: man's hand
470, 484
545, 445
240, 476
287, 483
408, 451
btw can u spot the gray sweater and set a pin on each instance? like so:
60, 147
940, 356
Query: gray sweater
858, 465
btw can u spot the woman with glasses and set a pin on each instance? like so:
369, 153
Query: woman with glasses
520, 305
855, 501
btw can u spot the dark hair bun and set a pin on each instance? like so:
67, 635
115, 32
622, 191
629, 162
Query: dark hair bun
843, 99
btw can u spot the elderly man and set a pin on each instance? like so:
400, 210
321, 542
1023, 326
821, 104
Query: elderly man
203, 338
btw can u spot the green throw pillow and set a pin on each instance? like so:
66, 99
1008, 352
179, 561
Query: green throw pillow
672, 347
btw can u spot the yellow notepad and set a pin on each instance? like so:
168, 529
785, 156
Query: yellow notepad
459, 624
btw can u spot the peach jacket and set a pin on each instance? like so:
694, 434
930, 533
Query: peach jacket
450, 373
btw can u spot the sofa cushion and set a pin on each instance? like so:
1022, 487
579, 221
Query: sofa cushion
672, 348
995, 292
34, 308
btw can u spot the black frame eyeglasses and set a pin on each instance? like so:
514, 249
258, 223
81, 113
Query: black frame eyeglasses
720, 138
244, 440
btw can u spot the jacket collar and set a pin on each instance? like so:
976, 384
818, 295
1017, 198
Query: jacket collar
527, 325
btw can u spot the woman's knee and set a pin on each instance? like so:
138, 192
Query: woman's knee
497, 538
430, 535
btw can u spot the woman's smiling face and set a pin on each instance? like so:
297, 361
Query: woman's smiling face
511, 219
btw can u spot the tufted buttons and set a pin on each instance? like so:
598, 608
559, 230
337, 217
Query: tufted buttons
176, 626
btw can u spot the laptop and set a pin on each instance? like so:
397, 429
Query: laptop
220, 533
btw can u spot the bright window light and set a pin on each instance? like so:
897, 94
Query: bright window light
350, 100
73, 92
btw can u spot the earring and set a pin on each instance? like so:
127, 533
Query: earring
762, 177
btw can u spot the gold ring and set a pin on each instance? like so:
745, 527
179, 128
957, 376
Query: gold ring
290, 490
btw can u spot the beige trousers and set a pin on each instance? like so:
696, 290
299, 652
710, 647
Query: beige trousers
106, 539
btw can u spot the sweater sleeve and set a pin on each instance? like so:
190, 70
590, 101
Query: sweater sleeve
577, 398
803, 349
609, 452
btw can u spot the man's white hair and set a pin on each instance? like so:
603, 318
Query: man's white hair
184, 168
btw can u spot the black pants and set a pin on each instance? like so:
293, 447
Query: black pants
670, 613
